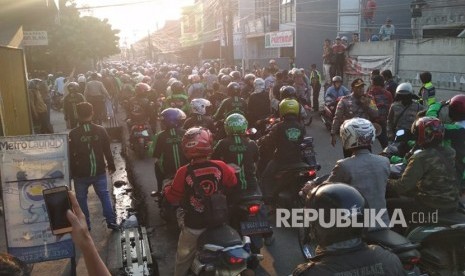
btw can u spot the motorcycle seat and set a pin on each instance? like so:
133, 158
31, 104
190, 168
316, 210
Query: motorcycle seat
251, 196
451, 218
388, 238
223, 235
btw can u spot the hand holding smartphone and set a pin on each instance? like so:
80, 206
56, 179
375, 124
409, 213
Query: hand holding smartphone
57, 203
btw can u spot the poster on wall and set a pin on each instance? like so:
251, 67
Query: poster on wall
30, 164
363, 65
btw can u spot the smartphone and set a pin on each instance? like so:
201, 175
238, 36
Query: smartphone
57, 203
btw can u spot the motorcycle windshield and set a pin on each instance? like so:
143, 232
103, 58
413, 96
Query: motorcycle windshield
238, 253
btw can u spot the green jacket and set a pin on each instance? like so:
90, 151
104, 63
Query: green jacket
430, 175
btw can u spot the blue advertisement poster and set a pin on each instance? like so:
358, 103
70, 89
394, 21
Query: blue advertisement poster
30, 164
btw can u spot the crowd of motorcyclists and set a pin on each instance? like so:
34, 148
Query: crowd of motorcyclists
200, 120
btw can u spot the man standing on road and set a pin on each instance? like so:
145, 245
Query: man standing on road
89, 147
357, 104
96, 93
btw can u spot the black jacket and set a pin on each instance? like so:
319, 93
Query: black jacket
168, 150
89, 147
258, 107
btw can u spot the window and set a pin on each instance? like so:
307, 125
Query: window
348, 23
287, 11
349, 5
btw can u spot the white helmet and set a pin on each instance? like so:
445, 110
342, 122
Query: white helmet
82, 78
404, 88
259, 84
199, 106
357, 132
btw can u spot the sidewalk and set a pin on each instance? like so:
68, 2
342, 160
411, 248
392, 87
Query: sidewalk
100, 234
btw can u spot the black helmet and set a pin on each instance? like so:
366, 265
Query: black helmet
34, 84
73, 87
177, 87
287, 91
234, 89
332, 196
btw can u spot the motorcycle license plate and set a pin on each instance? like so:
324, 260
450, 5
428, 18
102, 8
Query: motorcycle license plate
255, 226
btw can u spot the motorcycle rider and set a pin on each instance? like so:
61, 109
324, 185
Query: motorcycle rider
193, 187
166, 146
337, 90
357, 104
340, 250
178, 98
365, 171
258, 106
232, 104
198, 117
248, 86
383, 100
284, 140
139, 104
403, 111
95, 94
430, 178
69, 105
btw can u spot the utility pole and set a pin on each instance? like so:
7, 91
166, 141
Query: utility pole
228, 19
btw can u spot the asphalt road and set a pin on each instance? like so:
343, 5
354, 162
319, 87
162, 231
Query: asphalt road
281, 257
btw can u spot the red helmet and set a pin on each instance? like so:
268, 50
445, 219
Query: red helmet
457, 108
428, 131
197, 142
142, 88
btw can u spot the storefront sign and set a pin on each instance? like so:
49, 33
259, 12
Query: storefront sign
279, 39
30, 164
363, 65
35, 38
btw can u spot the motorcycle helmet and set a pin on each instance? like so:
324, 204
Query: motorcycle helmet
287, 92
327, 198
259, 84
357, 132
197, 142
235, 124
457, 108
404, 88
177, 87
225, 80
233, 89
34, 84
73, 87
249, 78
141, 89
172, 117
428, 131
82, 78
199, 106
336, 79
146, 79
235, 75
289, 107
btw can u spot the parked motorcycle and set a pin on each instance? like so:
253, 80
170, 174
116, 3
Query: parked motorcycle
139, 137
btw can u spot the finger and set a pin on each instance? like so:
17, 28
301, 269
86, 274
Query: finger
72, 219
74, 203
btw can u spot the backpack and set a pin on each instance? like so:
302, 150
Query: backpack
215, 204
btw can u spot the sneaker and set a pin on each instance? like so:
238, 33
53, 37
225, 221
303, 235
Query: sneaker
113, 226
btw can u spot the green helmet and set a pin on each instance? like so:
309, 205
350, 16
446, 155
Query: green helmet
235, 124
289, 107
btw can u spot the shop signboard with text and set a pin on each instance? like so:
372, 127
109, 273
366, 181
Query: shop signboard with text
279, 39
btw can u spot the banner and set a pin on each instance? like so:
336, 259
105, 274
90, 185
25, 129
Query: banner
279, 39
35, 38
30, 164
363, 65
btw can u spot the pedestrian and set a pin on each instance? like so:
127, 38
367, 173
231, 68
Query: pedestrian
95, 94
315, 82
387, 31
339, 60
369, 10
427, 92
356, 104
389, 83
327, 60
89, 147
70, 102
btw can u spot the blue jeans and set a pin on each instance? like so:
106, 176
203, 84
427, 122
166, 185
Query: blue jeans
81, 185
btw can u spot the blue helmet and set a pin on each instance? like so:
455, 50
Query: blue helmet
172, 117
374, 38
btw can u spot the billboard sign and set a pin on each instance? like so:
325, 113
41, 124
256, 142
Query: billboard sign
279, 39
35, 38
30, 164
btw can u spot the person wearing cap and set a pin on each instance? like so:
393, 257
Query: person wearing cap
339, 52
387, 31
356, 104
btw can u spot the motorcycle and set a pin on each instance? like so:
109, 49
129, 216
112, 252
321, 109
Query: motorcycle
139, 137
327, 114
221, 251
250, 219
57, 100
386, 238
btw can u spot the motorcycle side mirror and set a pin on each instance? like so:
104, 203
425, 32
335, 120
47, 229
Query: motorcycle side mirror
400, 132
251, 131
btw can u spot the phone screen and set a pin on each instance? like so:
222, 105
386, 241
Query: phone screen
57, 205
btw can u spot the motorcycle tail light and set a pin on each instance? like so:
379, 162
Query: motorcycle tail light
311, 173
411, 263
254, 209
271, 120
235, 260
140, 127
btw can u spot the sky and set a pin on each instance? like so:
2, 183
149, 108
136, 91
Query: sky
136, 19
